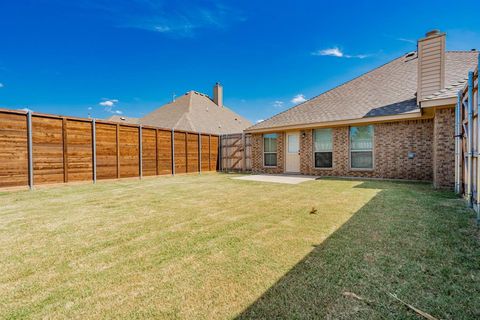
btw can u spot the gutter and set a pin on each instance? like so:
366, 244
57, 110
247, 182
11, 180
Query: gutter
438, 102
398, 117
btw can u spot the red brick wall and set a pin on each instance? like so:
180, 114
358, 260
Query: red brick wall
444, 148
392, 142
257, 155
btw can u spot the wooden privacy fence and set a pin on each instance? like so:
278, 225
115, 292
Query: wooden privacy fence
41, 148
467, 142
236, 152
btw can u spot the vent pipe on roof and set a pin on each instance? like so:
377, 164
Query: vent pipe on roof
431, 64
218, 94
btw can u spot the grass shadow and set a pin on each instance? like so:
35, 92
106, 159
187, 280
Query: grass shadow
409, 240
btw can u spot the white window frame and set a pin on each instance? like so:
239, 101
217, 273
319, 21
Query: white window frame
350, 149
313, 146
269, 152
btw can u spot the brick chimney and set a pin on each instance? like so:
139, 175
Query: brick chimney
431, 64
218, 94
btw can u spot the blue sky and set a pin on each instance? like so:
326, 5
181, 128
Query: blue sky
104, 57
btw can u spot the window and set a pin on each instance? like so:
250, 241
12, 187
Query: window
323, 148
270, 150
293, 143
361, 147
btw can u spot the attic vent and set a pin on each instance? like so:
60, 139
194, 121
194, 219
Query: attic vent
410, 54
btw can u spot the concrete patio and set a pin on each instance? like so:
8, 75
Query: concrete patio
284, 178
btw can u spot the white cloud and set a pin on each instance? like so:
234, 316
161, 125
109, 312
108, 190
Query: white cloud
162, 28
406, 40
176, 19
1, 85
108, 102
278, 104
90, 108
110, 105
259, 120
299, 98
336, 52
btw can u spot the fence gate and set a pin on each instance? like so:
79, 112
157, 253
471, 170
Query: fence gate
467, 143
235, 152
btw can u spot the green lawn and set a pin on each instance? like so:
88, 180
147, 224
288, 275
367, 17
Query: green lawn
209, 247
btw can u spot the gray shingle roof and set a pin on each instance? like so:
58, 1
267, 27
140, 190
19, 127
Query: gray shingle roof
196, 112
449, 91
387, 90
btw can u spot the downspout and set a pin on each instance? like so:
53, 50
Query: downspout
470, 141
478, 134
457, 142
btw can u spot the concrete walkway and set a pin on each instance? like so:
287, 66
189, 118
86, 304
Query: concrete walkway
288, 179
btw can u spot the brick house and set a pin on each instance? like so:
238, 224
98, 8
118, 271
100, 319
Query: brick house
395, 122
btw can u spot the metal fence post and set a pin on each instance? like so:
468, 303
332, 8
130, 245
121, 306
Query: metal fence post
94, 150
30, 149
478, 133
173, 152
140, 152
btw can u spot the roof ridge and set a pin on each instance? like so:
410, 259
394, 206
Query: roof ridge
333, 88
181, 116
190, 100
187, 117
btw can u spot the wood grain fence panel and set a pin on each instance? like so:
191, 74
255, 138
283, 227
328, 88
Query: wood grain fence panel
79, 150
149, 158
235, 152
106, 150
129, 152
164, 149
192, 152
63, 151
13, 150
213, 152
205, 153
47, 138
180, 152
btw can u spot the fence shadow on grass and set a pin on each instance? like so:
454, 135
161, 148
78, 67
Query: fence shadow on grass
406, 241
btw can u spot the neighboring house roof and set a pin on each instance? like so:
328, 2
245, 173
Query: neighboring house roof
196, 112
117, 118
387, 90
